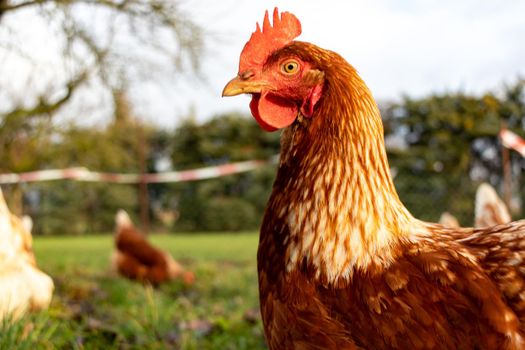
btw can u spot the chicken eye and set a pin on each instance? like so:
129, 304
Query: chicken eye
290, 67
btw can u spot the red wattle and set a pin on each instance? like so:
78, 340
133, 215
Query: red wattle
273, 112
254, 107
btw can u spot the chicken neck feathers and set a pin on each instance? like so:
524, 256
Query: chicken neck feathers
341, 258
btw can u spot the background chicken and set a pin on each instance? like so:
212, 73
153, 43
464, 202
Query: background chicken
342, 263
448, 220
23, 287
135, 258
490, 209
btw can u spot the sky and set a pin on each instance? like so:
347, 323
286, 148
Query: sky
399, 47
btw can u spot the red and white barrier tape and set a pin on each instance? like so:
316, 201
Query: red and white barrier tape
84, 174
511, 140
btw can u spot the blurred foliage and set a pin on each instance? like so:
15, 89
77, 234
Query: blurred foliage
231, 137
104, 45
441, 148
228, 203
75, 207
450, 147
93, 48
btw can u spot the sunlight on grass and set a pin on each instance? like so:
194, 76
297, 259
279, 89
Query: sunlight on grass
93, 308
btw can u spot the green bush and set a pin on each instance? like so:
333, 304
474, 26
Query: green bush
229, 214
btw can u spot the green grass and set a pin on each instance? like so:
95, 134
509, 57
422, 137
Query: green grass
93, 308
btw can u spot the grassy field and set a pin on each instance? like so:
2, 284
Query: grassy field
93, 308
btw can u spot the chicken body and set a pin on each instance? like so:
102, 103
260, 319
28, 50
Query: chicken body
137, 259
428, 298
23, 286
342, 263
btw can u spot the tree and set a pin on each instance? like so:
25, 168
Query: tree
92, 48
128, 42
90, 207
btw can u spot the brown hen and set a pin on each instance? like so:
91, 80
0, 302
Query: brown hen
342, 263
135, 258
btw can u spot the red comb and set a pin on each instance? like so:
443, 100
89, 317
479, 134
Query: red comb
263, 43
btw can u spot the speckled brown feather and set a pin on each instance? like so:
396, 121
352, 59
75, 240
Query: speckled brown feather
342, 263
501, 252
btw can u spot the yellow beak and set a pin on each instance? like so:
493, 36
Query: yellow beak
238, 86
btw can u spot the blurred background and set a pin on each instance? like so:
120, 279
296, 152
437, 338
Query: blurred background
133, 87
